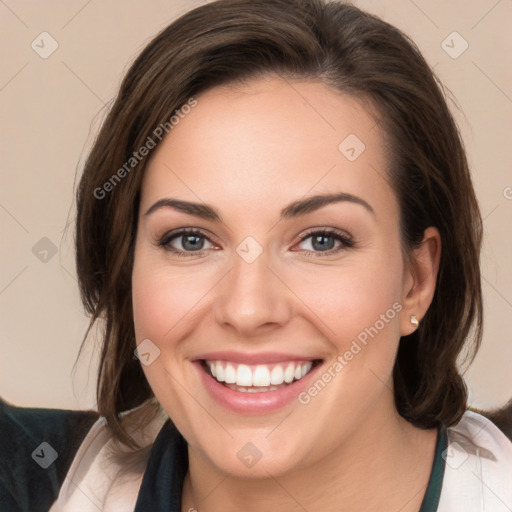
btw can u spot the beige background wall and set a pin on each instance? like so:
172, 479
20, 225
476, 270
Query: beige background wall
50, 109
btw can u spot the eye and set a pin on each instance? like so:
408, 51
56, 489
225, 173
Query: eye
323, 242
190, 242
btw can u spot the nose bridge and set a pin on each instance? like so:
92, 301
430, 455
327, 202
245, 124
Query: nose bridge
251, 296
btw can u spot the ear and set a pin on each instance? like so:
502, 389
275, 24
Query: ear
420, 280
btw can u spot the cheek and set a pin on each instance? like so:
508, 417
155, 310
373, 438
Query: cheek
162, 299
154, 309
163, 312
353, 298
358, 312
358, 309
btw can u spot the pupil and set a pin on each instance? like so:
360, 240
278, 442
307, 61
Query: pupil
322, 246
188, 238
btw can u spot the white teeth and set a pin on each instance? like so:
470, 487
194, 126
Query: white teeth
305, 368
277, 376
219, 371
289, 373
259, 378
243, 375
230, 374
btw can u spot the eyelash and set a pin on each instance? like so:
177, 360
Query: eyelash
346, 242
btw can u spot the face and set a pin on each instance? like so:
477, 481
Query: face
297, 309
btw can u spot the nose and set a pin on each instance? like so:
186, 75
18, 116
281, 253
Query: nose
252, 298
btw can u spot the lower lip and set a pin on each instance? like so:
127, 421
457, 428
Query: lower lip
254, 403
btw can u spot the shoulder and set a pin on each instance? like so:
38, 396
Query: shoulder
478, 467
484, 434
110, 475
37, 446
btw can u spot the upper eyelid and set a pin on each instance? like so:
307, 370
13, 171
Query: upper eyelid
176, 233
332, 231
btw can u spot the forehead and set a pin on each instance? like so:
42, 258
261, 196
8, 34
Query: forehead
270, 140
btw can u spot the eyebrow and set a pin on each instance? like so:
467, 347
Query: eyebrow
293, 210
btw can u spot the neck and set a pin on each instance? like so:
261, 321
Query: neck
382, 465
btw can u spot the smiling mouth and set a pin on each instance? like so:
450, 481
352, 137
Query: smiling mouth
259, 378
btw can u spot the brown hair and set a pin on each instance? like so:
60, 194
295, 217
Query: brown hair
338, 44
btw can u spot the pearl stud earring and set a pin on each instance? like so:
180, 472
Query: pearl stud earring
414, 321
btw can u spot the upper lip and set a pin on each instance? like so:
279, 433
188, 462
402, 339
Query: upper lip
252, 358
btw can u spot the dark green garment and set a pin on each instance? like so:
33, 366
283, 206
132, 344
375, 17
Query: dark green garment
435, 483
25, 486
162, 483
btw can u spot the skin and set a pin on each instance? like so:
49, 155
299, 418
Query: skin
249, 151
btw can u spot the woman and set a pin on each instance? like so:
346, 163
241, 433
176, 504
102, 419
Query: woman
278, 228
